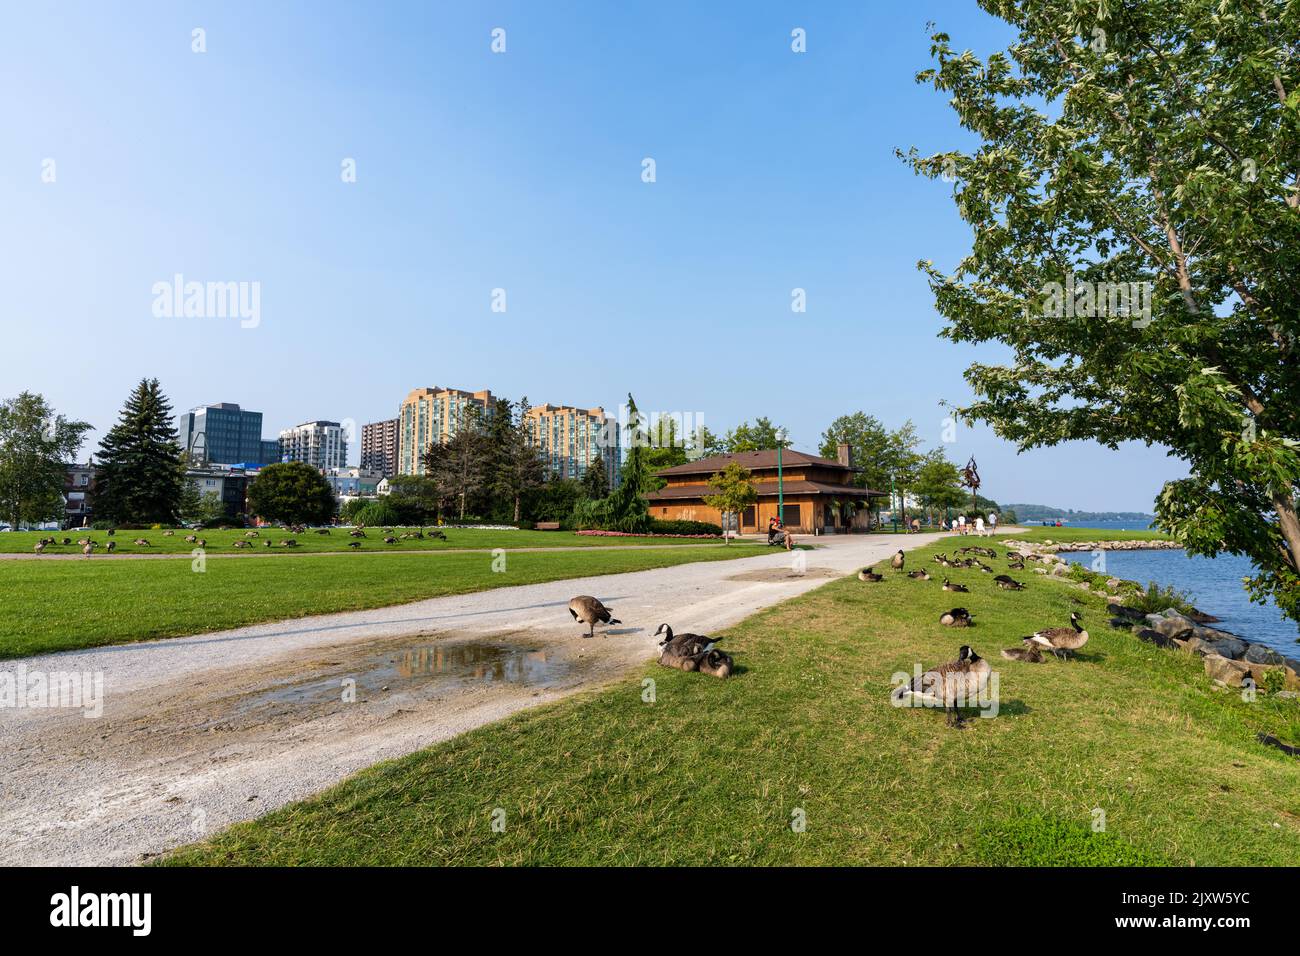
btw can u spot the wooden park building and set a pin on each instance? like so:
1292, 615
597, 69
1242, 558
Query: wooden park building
818, 492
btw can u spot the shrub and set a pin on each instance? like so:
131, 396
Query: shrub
683, 527
1156, 599
376, 513
292, 492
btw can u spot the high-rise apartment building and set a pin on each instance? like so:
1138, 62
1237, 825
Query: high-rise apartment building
430, 416
320, 444
572, 440
379, 447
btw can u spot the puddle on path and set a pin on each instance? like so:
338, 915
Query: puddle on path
425, 668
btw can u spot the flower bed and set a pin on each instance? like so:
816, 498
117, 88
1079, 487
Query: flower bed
642, 534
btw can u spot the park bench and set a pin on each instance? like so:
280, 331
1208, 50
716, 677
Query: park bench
547, 526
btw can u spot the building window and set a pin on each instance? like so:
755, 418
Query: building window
790, 516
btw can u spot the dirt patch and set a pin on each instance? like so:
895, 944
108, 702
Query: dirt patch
781, 575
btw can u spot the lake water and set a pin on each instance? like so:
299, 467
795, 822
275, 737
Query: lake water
1215, 587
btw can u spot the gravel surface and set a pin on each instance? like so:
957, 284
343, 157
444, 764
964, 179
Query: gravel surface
197, 733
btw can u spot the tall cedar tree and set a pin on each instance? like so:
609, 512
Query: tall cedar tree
462, 464
628, 509
140, 473
517, 466
35, 444
1151, 145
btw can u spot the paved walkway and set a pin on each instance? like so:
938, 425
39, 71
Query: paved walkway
200, 732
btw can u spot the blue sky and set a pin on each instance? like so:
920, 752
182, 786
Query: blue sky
520, 171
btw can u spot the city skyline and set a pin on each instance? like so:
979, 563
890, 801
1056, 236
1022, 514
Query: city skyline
774, 172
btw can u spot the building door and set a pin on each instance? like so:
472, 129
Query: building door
748, 518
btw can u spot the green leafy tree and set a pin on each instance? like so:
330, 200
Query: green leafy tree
938, 485
1152, 147
35, 445
292, 492
735, 491
595, 483
902, 461
871, 447
141, 478
760, 436
665, 449
703, 443
417, 498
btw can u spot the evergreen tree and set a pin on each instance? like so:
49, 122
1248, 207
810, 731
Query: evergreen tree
628, 509
595, 483
140, 473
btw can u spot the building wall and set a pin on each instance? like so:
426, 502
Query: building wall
572, 439
430, 416
223, 433
320, 444
379, 447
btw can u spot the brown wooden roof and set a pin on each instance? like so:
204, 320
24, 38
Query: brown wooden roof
751, 460
768, 489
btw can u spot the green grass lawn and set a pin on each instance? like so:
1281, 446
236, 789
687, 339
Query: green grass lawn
61, 605
715, 772
222, 542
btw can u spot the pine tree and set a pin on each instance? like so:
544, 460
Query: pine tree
140, 473
628, 509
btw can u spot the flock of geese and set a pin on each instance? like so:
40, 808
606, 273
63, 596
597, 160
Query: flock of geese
964, 679
685, 652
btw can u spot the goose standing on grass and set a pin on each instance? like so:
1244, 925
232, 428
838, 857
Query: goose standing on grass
40, 546
587, 610
896, 562
1007, 583
957, 617
1063, 640
952, 686
949, 586
866, 574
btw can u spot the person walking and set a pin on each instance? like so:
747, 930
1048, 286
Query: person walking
979, 525
961, 524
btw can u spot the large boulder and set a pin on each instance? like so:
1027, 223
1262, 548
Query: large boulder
1131, 614
1259, 654
1179, 627
1154, 637
1221, 642
1227, 671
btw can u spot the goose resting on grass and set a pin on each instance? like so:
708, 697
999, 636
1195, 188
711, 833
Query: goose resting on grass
1030, 653
1063, 641
957, 617
587, 610
949, 586
1007, 583
952, 686
866, 574
896, 562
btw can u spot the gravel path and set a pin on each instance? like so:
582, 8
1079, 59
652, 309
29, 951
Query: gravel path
197, 733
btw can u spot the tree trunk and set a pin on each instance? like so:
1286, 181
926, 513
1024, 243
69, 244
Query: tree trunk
1289, 524
516, 509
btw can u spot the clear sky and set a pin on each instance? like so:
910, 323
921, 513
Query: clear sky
519, 171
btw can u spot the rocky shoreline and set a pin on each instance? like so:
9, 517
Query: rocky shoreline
1229, 659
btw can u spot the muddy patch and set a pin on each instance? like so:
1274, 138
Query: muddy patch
781, 575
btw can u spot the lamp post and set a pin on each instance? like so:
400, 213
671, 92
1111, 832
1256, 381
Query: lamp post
780, 478
893, 505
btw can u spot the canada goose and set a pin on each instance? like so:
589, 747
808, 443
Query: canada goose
957, 617
322, 530
1063, 640
949, 586
866, 574
1030, 653
351, 544
166, 534
587, 610
1016, 566
191, 538
241, 544
716, 664
389, 539
438, 534
111, 532
111, 547
82, 541
983, 567
251, 534
940, 559
952, 686
141, 542
692, 644
1007, 583
896, 562
920, 574
67, 541
87, 548
40, 546
267, 543
357, 533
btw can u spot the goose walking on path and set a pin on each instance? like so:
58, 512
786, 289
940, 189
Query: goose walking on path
587, 610
1063, 641
954, 685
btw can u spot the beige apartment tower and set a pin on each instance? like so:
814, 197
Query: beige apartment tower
430, 416
572, 439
